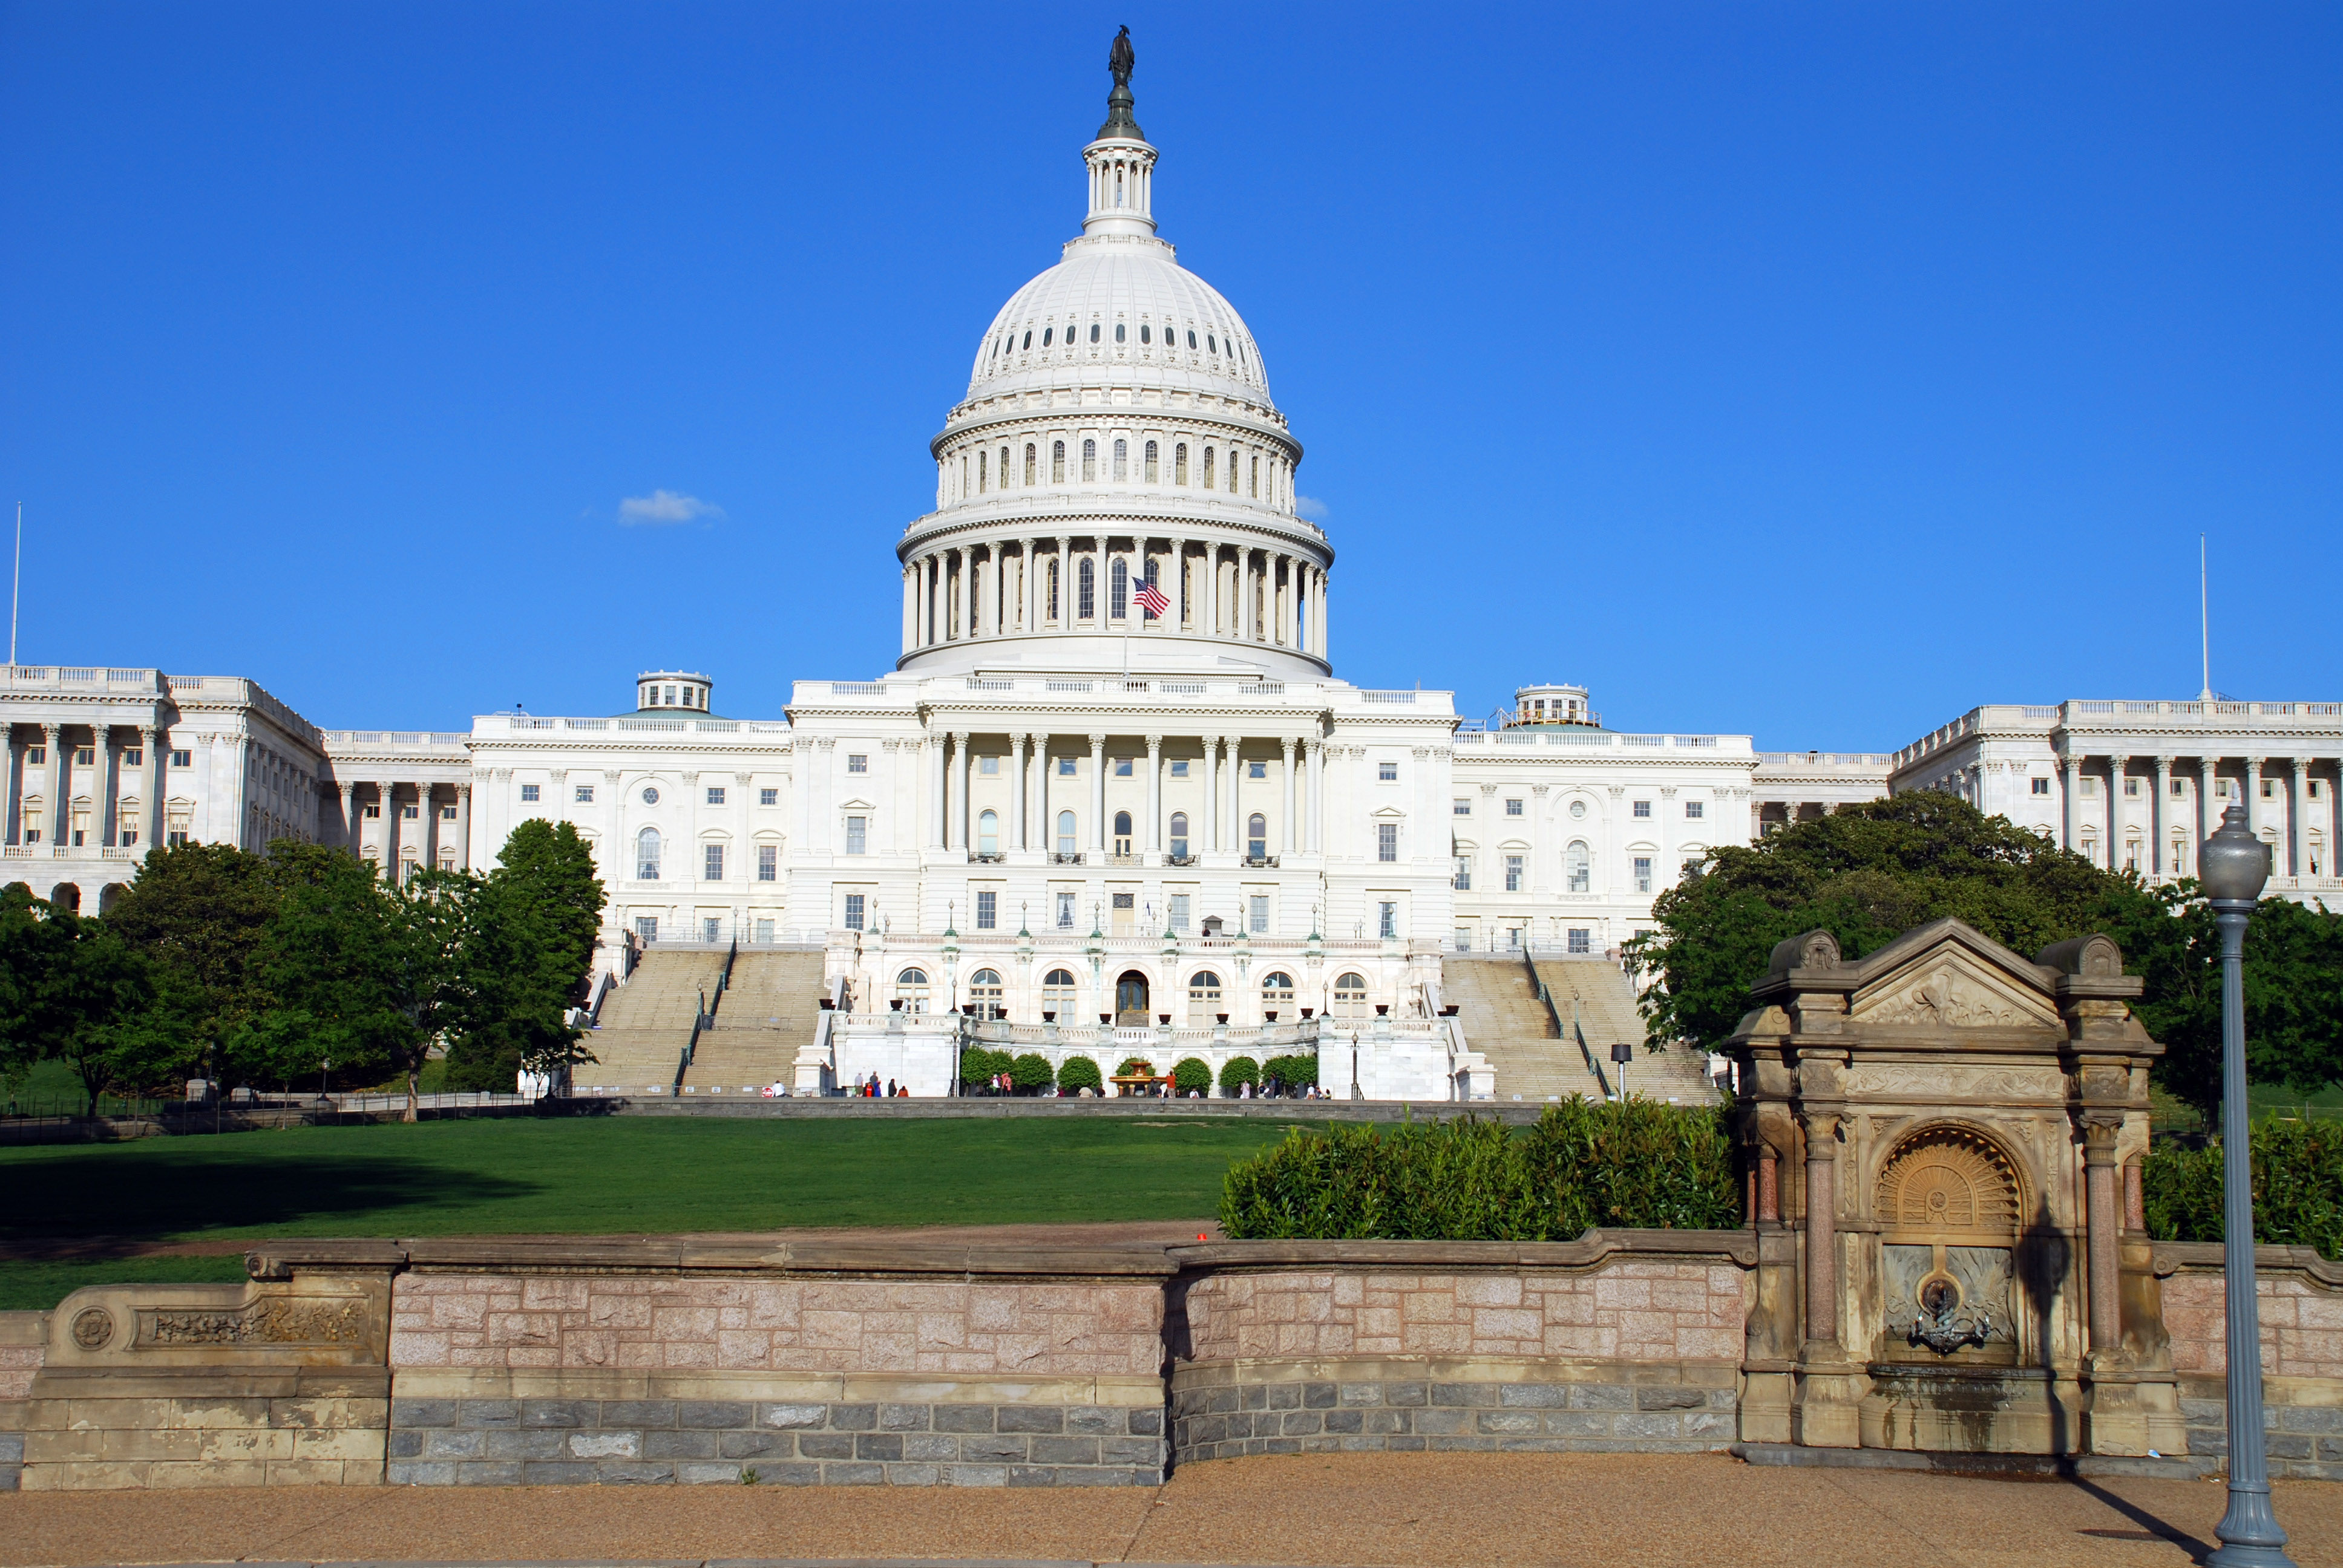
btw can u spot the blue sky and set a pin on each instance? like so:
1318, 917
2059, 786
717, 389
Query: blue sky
1816, 371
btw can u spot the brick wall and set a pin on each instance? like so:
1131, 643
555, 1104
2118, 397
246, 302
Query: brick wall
2300, 1301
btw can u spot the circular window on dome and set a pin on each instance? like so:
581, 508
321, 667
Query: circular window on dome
650, 795
1094, 333
1118, 332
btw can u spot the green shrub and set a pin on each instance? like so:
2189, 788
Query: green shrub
977, 1065
1291, 1072
1135, 1066
1237, 1070
2298, 1187
1080, 1072
1191, 1072
1031, 1072
1635, 1164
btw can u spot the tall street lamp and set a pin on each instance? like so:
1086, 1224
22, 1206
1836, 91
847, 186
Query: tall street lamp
2232, 867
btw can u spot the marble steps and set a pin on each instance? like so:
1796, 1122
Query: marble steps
1503, 1020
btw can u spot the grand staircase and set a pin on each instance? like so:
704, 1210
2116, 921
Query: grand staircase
1597, 995
646, 1022
768, 1010
1497, 1002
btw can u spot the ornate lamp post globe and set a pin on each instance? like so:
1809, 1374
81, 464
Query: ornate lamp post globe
2233, 865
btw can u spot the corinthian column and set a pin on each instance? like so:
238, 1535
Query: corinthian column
1017, 786
1822, 1228
1098, 786
1285, 827
2155, 816
1154, 796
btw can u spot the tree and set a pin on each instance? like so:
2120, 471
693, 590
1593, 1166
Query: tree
71, 990
1869, 872
197, 914
527, 944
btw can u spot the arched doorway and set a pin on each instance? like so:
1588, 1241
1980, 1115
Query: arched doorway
66, 896
1131, 999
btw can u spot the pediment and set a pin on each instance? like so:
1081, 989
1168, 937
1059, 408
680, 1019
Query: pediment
1962, 980
858, 805
1391, 812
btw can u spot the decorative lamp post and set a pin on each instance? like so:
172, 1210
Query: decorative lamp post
2232, 867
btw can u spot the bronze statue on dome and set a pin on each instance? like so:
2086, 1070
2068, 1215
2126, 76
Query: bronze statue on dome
1121, 59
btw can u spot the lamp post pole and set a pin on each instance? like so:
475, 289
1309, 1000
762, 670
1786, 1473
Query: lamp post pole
2233, 865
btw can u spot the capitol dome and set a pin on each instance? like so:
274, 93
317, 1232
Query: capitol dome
1117, 433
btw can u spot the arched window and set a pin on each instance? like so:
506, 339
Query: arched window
1121, 459
1086, 599
987, 834
1277, 996
647, 854
1059, 993
1207, 468
1122, 832
1094, 332
1118, 332
1204, 999
1029, 337
1029, 462
1233, 472
1090, 461
1148, 471
1178, 835
1180, 463
1065, 832
1046, 331
1004, 468
983, 471
911, 989
1253, 485
1577, 866
1057, 462
1350, 996
1119, 586
1053, 590
984, 993
1211, 344
1257, 837
1144, 338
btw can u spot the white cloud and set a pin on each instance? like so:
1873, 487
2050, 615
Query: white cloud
1310, 506
664, 507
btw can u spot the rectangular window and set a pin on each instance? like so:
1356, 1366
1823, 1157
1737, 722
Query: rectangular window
2316, 785
373, 811
1065, 767
1643, 809
2180, 788
1387, 919
768, 796
2221, 787
855, 834
768, 862
647, 927
84, 756
583, 794
1257, 769
134, 757
988, 910
1065, 912
177, 837
1513, 808
854, 911
764, 930
1581, 941
713, 870
2131, 788
2041, 786
37, 756
1178, 903
1179, 768
1643, 873
1512, 873
857, 762
415, 813
528, 792
1123, 766
1260, 918
1386, 772
1464, 938
1696, 810
2090, 787
2270, 788
447, 813
716, 794
1462, 807
1463, 881
1386, 841
989, 766
178, 759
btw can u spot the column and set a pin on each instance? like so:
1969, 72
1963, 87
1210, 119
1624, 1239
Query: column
464, 826
389, 807
1098, 781
1539, 881
1248, 622
1211, 839
1179, 586
1032, 595
1285, 831
958, 817
911, 605
2155, 816
2071, 820
1313, 814
2104, 1220
1323, 644
1154, 797
2297, 815
2254, 796
1065, 581
157, 827
1017, 788
1233, 824
104, 793
2208, 770
426, 817
1042, 790
2116, 767
936, 776
1822, 1228
60, 780
1097, 580
1289, 614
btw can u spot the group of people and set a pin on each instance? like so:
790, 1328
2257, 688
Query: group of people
869, 1089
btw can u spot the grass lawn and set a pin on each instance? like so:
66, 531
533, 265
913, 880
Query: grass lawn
111, 1201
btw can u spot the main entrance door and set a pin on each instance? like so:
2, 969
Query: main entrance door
1131, 1000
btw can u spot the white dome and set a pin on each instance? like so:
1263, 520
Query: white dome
1127, 282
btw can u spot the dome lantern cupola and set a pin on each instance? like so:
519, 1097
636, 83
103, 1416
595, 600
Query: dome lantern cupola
1121, 164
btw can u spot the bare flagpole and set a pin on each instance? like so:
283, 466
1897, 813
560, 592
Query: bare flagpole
16, 585
2205, 619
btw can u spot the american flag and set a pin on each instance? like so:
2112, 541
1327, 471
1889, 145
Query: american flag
1151, 599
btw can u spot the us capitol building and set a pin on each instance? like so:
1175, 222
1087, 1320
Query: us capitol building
1114, 775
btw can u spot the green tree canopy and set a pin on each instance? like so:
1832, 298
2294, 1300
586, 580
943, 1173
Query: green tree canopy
197, 914
527, 945
1869, 872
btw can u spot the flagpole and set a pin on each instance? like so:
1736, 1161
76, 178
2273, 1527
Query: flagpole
16, 585
2205, 618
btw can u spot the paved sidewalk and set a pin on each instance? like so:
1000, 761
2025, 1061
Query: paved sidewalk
1650, 1511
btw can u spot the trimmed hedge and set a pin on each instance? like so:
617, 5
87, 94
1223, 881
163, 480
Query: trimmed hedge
1637, 1163
1031, 1072
1237, 1071
1191, 1072
1134, 1065
2298, 1187
977, 1065
1291, 1072
1080, 1072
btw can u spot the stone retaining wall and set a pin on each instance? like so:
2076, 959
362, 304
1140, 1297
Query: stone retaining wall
2301, 1310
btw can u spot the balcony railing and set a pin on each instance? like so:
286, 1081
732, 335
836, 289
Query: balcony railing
987, 858
1060, 857
1259, 862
